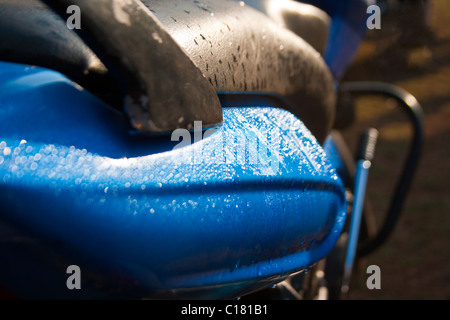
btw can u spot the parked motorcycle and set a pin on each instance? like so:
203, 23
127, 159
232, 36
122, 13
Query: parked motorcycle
185, 149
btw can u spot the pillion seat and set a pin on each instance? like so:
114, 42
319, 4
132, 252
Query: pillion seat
237, 48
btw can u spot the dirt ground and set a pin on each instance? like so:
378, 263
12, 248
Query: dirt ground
415, 261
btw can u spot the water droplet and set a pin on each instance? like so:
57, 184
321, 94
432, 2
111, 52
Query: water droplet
157, 37
259, 272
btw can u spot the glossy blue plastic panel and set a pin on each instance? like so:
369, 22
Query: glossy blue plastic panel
239, 209
348, 28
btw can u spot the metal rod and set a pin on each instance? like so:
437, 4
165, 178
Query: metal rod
364, 162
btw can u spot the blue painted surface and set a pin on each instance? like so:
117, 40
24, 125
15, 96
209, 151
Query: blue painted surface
211, 213
361, 178
348, 28
334, 156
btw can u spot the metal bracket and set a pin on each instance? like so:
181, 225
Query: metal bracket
413, 109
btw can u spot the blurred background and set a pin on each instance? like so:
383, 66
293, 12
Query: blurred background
411, 50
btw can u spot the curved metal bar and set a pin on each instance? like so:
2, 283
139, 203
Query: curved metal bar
413, 109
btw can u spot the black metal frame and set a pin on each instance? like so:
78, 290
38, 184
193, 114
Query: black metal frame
409, 104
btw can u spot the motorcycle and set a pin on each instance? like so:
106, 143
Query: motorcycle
185, 149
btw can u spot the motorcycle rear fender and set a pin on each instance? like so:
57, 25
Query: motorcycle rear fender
142, 219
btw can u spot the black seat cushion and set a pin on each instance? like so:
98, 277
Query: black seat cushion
237, 48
